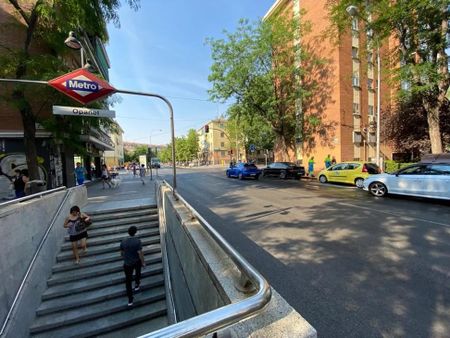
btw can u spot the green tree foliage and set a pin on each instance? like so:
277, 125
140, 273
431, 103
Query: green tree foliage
255, 66
419, 60
45, 24
165, 154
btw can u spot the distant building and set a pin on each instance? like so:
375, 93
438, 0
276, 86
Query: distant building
214, 143
346, 100
115, 158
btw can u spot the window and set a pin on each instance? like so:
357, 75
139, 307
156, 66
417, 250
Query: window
438, 169
370, 33
222, 134
222, 153
354, 52
342, 166
356, 109
221, 125
352, 166
355, 81
355, 24
357, 137
370, 84
370, 112
412, 170
372, 138
370, 57
222, 144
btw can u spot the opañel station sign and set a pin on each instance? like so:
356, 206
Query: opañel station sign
80, 111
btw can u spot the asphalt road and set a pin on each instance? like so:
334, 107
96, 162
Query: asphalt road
351, 264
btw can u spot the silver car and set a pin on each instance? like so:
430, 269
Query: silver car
428, 178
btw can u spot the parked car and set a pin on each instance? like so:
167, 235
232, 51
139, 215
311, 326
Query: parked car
284, 170
428, 178
353, 172
243, 170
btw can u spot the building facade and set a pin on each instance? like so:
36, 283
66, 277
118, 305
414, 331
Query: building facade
115, 158
214, 143
345, 83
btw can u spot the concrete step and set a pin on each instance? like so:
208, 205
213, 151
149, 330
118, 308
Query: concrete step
115, 321
95, 283
82, 314
119, 229
95, 296
99, 249
139, 329
95, 270
114, 238
120, 210
121, 221
125, 214
100, 259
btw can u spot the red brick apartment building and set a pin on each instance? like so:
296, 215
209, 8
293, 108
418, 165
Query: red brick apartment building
346, 98
56, 162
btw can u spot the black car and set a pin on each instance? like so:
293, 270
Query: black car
284, 170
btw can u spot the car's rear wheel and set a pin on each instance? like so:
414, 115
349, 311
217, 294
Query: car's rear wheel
323, 179
283, 175
241, 177
377, 189
256, 177
359, 182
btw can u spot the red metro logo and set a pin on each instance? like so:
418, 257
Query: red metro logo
82, 86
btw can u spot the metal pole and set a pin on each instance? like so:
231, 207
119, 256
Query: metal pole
82, 56
172, 128
378, 105
150, 153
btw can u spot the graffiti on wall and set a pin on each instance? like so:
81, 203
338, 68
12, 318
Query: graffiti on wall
8, 164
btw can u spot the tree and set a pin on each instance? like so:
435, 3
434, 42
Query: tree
418, 61
255, 66
46, 24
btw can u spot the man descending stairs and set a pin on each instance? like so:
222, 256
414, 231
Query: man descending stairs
90, 299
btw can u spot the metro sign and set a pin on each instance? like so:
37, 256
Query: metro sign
82, 86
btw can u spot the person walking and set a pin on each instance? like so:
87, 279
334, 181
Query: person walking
105, 176
79, 173
142, 173
134, 169
76, 228
133, 260
311, 167
327, 161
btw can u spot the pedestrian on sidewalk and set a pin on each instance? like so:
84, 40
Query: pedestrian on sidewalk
79, 173
133, 260
19, 183
311, 167
106, 177
327, 161
333, 161
76, 224
142, 173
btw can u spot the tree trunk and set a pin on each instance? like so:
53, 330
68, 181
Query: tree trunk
281, 149
434, 129
29, 135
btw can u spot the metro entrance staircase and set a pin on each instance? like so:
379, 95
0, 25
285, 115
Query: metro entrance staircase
89, 299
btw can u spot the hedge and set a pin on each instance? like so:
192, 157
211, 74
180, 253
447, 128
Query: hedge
391, 166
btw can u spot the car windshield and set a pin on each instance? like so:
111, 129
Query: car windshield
290, 164
372, 168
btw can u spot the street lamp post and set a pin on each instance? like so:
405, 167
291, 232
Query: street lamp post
354, 12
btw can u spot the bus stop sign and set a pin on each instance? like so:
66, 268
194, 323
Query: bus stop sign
82, 86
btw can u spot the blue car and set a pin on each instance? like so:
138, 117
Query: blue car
243, 170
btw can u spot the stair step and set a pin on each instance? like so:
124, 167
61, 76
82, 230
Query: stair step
115, 246
120, 210
115, 321
95, 296
100, 259
121, 221
95, 270
125, 214
119, 229
116, 238
139, 329
97, 310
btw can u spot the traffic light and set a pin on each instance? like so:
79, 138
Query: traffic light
206, 129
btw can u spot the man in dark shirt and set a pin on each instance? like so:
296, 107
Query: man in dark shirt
133, 259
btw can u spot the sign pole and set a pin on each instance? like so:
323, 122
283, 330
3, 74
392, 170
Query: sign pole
110, 92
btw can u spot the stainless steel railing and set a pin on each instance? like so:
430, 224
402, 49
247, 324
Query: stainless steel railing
30, 266
226, 315
29, 197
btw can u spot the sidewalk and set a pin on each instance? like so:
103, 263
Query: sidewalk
130, 193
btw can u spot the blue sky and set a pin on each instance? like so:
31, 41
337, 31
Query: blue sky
161, 49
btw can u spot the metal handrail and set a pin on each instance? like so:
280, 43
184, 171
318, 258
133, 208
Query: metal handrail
29, 197
225, 315
30, 266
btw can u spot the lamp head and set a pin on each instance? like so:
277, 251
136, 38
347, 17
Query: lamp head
352, 10
72, 42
